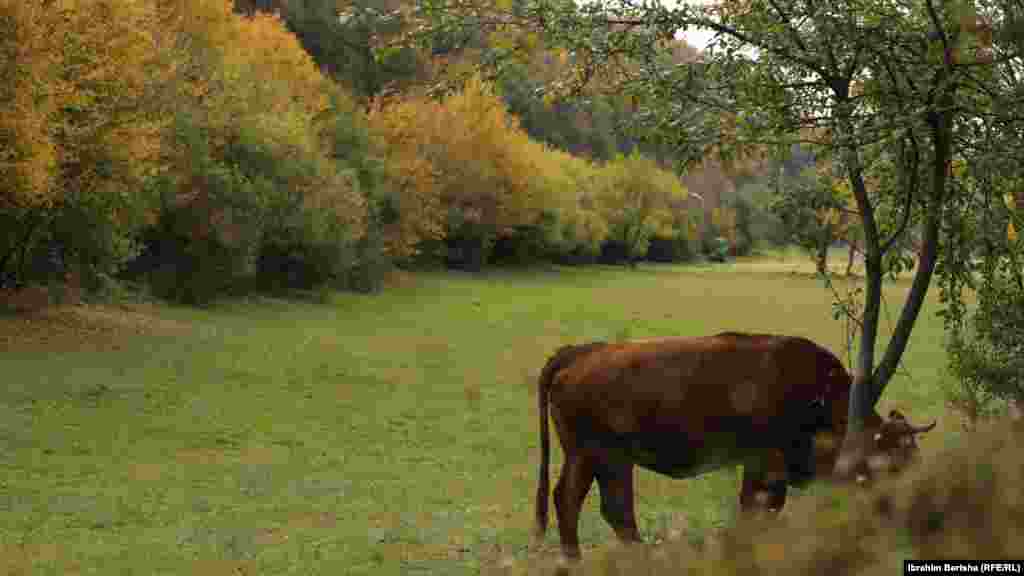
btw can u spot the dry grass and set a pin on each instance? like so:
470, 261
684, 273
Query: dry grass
83, 327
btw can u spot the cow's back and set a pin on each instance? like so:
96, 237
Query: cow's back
714, 398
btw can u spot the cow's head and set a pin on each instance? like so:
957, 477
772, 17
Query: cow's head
887, 447
894, 443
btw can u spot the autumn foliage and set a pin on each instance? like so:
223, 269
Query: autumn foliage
79, 131
470, 175
199, 150
639, 201
256, 187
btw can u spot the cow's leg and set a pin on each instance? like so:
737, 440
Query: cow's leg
570, 492
764, 485
616, 482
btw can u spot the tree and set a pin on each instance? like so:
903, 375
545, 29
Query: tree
473, 174
986, 343
80, 123
816, 211
884, 91
635, 197
351, 40
268, 177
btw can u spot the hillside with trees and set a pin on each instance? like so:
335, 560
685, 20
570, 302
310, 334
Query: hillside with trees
212, 148
208, 148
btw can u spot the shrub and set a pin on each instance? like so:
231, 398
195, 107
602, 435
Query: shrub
986, 345
718, 249
744, 226
525, 245
271, 182
674, 248
204, 233
987, 359
638, 200
470, 185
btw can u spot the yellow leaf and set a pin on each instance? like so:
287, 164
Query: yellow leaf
1011, 232
531, 41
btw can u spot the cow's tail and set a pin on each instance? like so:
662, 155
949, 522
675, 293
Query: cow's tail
559, 360
543, 387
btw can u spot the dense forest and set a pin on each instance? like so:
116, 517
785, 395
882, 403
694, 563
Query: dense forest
207, 148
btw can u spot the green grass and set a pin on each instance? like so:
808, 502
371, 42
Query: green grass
387, 434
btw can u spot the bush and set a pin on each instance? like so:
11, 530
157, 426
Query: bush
524, 245
79, 239
744, 226
987, 359
467, 249
371, 261
675, 248
638, 200
266, 210
185, 258
578, 256
271, 183
717, 249
614, 252
205, 226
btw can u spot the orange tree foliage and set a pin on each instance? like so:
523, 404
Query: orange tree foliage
28, 153
260, 178
456, 164
272, 88
463, 168
78, 125
474, 146
411, 180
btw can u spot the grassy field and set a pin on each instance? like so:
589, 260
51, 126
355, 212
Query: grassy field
386, 434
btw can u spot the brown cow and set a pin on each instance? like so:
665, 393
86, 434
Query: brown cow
685, 406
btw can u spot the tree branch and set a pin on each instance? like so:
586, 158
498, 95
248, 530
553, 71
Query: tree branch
701, 22
941, 124
911, 190
861, 402
789, 27
915, 299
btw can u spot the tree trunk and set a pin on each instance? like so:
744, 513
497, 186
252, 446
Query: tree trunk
851, 258
824, 241
869, 382
863, 383
942, 134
